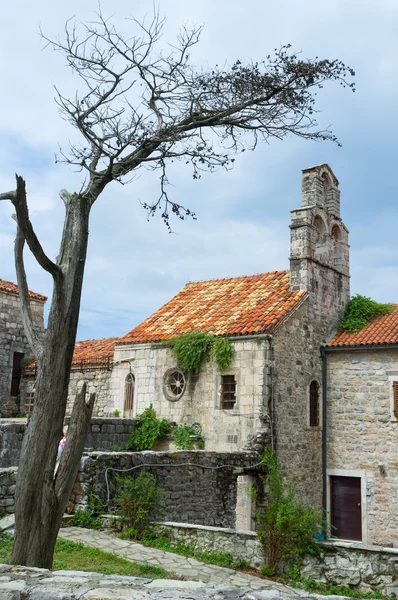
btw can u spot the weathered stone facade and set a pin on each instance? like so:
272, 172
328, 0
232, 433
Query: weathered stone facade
12, 341
362, 434
224, 431
98, 381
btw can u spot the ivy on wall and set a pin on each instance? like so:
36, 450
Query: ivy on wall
360, 311
193, 350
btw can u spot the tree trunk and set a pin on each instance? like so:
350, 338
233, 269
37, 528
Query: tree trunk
40, 499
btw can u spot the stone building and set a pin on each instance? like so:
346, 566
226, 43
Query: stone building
362, 432
14, 346
276, 322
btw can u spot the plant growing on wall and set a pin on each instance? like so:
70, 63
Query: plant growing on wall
193, 350
285, 527
360, 311
148, 429
186, 437
138, 500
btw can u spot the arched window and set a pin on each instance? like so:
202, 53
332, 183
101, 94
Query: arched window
314, 404
129, 395
319, 225
326, 185
336, 234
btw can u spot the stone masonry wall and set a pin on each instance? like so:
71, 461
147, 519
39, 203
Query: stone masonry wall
363, 568
97, 381
297, 363
12, 339
7, 490
103, 435
242, 545
200, 487
224, 430
362, 435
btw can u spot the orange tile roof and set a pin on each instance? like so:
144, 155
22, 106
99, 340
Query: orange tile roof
88, 353
11, 288
246, 305
381, 331
94, 349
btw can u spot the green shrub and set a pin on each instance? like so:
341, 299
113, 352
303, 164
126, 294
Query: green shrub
360, 311
84, 518
267, 571
182, 438
148, 429
138, 500
116, 413
285, 527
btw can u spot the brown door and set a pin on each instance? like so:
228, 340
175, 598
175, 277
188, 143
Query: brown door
346, 514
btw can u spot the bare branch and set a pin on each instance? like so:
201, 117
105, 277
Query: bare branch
24, 300
8, 196
25, 225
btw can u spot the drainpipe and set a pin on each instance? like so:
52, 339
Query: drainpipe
324, 438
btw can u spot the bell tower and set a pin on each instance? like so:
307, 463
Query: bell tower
319, 250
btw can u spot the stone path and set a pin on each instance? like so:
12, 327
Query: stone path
189, 568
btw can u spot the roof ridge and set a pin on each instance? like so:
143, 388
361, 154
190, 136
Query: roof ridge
283, 271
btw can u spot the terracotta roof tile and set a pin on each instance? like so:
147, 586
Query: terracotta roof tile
11, 288
381, 331
246, 305
88, 353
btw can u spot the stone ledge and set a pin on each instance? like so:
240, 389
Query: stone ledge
330, 544
17, 583
226, 530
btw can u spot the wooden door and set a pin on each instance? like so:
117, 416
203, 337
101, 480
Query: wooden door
346, 513
129, 396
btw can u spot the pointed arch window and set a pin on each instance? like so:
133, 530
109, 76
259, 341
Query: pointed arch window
129, 395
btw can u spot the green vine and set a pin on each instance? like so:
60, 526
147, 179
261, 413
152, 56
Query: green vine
360, 311
193, 350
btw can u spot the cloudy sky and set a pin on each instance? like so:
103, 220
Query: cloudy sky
134, 266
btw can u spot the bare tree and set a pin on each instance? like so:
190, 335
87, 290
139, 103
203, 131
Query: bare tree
138, 107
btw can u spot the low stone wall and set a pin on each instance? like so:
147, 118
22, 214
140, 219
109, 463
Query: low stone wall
200, 487
242, 545
104, 434
365, 568
7, 490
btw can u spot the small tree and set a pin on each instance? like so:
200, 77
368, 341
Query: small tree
285, 527
138, 107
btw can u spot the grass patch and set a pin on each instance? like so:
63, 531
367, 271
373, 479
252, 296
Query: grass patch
310, 585
71, 556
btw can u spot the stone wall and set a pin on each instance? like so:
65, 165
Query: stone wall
103, 435
364, 568
362, 434
12, 339
223, 430
7, 490
242, 545
200, 487
11, 435
97, 381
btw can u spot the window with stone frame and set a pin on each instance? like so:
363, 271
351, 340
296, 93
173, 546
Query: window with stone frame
395, 399
314, 404
228, 392
16, 373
